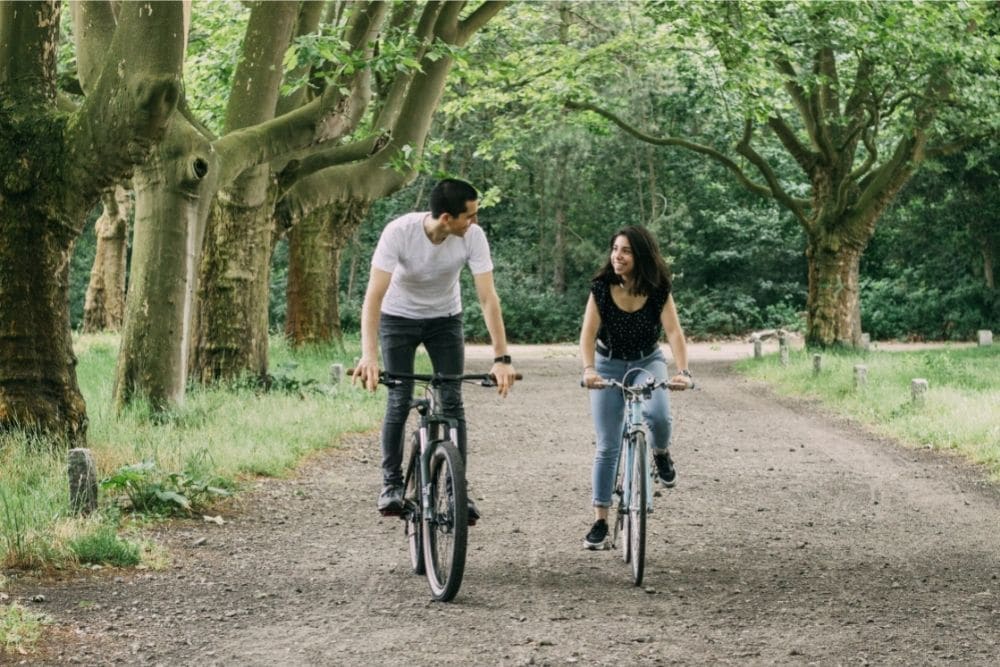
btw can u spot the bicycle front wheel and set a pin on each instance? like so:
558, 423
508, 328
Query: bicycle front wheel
446, 528
412, 522
621, 528
637, 507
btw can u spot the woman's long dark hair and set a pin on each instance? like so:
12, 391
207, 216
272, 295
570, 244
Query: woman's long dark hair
651, 272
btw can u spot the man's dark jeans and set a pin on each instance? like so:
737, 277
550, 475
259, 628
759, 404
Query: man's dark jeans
444, 340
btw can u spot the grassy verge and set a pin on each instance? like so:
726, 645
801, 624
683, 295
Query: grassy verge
962, 407
174, 464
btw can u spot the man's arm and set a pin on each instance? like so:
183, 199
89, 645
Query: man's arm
493, 317
367, 368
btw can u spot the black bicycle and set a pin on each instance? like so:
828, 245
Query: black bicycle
435, 502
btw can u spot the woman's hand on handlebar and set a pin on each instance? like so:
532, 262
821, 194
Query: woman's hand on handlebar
680, 382
591, 379
367, 372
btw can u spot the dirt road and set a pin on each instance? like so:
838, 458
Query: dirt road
791, 538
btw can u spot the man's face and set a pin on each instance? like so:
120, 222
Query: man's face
460, 224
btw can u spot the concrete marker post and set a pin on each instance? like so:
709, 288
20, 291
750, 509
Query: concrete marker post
860, 376
918, 390
82, 481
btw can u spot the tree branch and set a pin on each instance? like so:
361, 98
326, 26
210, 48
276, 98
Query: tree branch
675, 141
775, 190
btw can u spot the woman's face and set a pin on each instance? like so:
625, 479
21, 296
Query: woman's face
622, 260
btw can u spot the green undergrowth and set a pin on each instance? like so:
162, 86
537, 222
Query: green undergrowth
960, 412
178, 464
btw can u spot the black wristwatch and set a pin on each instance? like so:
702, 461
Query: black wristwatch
502, 359
686, 373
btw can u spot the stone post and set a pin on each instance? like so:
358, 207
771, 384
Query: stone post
866, 342
860, 375
817, 364
336, 373
82, 481
985, 337
758, 349
918, 389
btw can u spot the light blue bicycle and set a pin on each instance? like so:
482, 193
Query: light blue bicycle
633, 478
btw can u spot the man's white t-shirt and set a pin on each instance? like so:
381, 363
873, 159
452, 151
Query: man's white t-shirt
425, 276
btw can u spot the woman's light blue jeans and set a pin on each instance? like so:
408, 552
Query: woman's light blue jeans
608, 409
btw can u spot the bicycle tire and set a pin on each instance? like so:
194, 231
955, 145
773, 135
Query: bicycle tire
412, 523
621, 512
637, 507
446, 532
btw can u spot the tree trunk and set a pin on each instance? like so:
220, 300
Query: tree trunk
834, 298
104, 305
559, 250
38, 388
988, 264
171, 191
234, 288
315, 246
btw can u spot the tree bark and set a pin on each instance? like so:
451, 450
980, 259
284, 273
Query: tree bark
834, 300
315, 247
172, 190
53, 167
234, 286
104, 304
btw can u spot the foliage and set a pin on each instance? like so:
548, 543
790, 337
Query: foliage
103, 546
960, 410
192, 456
19, 628
152, 491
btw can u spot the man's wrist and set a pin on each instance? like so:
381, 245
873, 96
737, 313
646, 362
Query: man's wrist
502, 359
686, 373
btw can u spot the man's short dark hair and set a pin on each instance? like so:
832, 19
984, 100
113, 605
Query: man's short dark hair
451, 195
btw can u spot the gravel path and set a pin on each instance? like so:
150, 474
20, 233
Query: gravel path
791, 538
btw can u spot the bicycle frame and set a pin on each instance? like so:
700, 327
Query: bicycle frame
431, 420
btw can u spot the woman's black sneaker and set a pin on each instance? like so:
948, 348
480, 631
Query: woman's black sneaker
665, 472
597, 538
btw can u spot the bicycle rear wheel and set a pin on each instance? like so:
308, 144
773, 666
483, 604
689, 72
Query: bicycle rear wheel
412, 523
446, 530
637, 507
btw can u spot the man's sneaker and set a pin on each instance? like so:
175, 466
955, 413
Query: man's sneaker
473, 513
390, 501
597, 538
665, 472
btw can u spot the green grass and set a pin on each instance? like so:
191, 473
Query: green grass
219, 439
19, 628
962, 407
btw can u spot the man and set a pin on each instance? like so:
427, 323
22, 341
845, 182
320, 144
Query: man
413, 297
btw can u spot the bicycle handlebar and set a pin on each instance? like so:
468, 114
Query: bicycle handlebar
648, 385
389, 379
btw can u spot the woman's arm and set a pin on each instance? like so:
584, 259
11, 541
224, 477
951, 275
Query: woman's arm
675, 336
588, 343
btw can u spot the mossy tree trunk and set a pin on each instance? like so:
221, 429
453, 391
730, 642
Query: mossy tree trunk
328, 195
315, 247
195, 175
234, 282
854, 118
53, 166
104, 303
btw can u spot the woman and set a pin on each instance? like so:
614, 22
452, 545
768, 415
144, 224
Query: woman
630, 305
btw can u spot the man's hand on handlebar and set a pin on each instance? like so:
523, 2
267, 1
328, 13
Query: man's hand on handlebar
367, 372
504, 375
